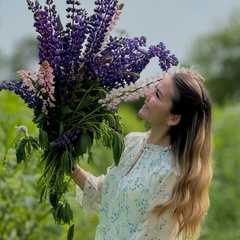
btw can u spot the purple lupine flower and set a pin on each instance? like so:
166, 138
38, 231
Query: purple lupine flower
125, 59
98, 25
114, 67
44, 28
165, 59
72, 42
29, 96
47, 25
67, 138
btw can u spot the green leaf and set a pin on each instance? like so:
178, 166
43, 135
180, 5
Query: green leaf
66, 162
66, 110
64, 187
24, 148
63, 160
85, 143
43, 190
70, 232
20, 150
39, 118
57, 212
54, 199
117, 147
61, 129
111, 120
34, 142
43, 139
90, 157
69, 212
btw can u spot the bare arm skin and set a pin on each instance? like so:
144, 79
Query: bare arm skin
79, 176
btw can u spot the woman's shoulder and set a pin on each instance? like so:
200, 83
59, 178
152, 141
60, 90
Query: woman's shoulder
135, 138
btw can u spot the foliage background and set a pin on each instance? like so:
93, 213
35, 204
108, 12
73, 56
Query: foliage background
23, 217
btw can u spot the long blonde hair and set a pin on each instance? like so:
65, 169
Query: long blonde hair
191, 142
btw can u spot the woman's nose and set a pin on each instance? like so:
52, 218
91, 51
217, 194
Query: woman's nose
148, 94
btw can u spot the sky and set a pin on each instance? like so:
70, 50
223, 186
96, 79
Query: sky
177, 23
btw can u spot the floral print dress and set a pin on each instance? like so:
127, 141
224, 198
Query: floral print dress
143, 179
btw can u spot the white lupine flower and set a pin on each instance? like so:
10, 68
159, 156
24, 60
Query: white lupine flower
128, 93
22, 129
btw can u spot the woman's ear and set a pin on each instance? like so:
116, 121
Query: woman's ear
174, 120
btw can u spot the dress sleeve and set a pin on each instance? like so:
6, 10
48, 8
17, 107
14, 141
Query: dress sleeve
158, 228
90, 197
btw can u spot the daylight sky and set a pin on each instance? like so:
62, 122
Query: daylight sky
177, 23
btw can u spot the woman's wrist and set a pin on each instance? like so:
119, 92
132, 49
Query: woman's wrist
75, 171
79, 176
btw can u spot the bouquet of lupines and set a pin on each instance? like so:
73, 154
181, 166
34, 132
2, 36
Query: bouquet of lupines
80, 64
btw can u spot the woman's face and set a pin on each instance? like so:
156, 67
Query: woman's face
156, 109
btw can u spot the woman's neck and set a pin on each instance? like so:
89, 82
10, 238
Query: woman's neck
158, 137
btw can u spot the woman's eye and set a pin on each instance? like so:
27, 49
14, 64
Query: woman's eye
157, 94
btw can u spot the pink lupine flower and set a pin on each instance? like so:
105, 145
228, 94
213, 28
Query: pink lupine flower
46, 81
115, 17
28, 78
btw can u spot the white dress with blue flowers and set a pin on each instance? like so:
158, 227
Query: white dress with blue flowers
143, 179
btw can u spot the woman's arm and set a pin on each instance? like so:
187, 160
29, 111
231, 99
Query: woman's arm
79, 176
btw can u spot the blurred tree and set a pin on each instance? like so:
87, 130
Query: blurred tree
218, 57
3, 66
25, 56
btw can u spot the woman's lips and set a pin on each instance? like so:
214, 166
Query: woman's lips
145, 106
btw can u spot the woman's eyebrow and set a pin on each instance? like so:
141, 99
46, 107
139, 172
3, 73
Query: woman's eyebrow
159, 91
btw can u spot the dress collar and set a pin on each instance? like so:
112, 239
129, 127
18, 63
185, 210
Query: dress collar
153, 146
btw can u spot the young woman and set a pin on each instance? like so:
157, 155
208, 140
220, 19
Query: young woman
159, 190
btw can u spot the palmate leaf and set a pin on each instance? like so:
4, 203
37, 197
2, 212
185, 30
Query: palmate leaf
24, 148
62, 213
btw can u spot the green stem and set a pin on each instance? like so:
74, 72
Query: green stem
86, 117
7, 148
